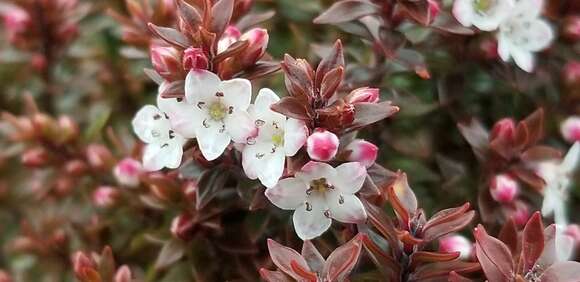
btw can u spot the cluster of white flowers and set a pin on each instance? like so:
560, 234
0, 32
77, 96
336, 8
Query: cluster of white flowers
521, 30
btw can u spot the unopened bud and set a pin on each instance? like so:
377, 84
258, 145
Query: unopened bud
16, 21
38, 62
75, 167
194, 58
123, 274
322, 145
182, 226
229, 37
503, 188
571, 73
363, 152
363, 95
127, 172
64, 185
69, 129
105, 196
166, 61
571, 28
434, 9
99, 157
488, 48
504, 129
257, 43
521, 213
573, 231
80, 262
570, 129
4, 276
456, 243
35, 157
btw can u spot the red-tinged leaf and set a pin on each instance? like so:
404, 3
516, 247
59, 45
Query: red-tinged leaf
292, 108
298, 78
170, 35
413, 61
209, 184
221, 14
385, 263
274, 276
451, 225
522, 139
260, 69
283, 257
312, 257
532, 241
418, 10
153, 75
174, 89
189, 14
234, 49
172, 251
476, 136
368, 113
330, 82
402, 198
439, 271
535, 126
454, 277
90, 275
305, 274
446, 215
421, 257
333, 60
409, 239
494, 256
123, 274
107, 264
447, 23
254, 19
347, 10
343, 260
540, 153
530, 177
382, 223
509, 236
381, 176
565, 271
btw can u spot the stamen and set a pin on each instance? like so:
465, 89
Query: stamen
273, 150
205, 124
259, 155
327, 213
308, 206
341, 199
231, 110
219, 94
164, 145
156, 117
223, 129
200, 104
250, 141
259, 122
275, 124
155, 133
171, 134
179, 99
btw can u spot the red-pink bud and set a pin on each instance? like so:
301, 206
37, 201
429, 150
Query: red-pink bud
570, 129
488, 48
35, 157
64, 185
69, 129
504, 129
229, 37
166, 61
127, 172
182, 226
5, 277
456, 243
99, 157
123, 274
257, 43
363, 152
105, 196
571, 73
194, 58
363, 95
322, 145
75, 167
573, 231
38, 62
16, 20
80, 262
521, 213
503, 188
571, 28
434, 9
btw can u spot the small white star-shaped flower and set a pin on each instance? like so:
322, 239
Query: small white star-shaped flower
264, 155
164, 145
483, 14
319, 193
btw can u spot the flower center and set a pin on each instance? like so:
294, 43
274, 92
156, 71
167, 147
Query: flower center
319, 186
217, 111
482, 6
278, 139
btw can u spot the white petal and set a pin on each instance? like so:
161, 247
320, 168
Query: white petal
200, 85
251, 161
524, 59
316, 170
345, 208
184, 118
156, 156
533, 35
295, 136
240, 126
237, 93
151, 125
272, 169
551, 200
288, 194
570, 162
266, 97
350, 177
212, 140
528, 8
463, 11
503, 47
310, 224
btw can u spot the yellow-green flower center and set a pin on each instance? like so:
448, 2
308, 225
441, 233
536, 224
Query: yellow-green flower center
319, 185
482, 5
217, 111
278, 139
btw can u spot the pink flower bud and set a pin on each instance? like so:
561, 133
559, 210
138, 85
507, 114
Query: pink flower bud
571, 73
69, 129
363, 152
570, 129
322, 145
571, 28
123, 274
127, 172
488, 48
434, 9
229, 37
521, 213
105, 196
15, 19
5, 277
80, 262
456, 243
194, 58
504, 129
99, 157
503, 188
573, 231
166, 61
182, 226
35, 157
38, 62
363, 95
257, 43
75, 167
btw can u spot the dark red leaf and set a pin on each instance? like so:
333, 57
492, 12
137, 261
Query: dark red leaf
312, 257
343, 260
189, 14
385, 263
494, 256
454, 277
368, 113
292, 108
476, 136
283, 257
418, 10
330, 82
260, 69
170, 35
447, 23
421, 257
298, 78
174, 89
532, 241
540, 153
439, 271
509, 235
402, 198
382, 223
447, 221
333, 60
347, 10
221, 13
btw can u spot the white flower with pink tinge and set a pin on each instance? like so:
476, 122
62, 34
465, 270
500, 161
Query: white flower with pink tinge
570, 129
319, 193
127, 172
164, 145
456, 243
523, 34
264, 155
322, 145
483, 14
213, 111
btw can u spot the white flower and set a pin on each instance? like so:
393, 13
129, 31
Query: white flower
524, 33
557, 178
164, 145
319, 193
213, 111
265, 154
483, 14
